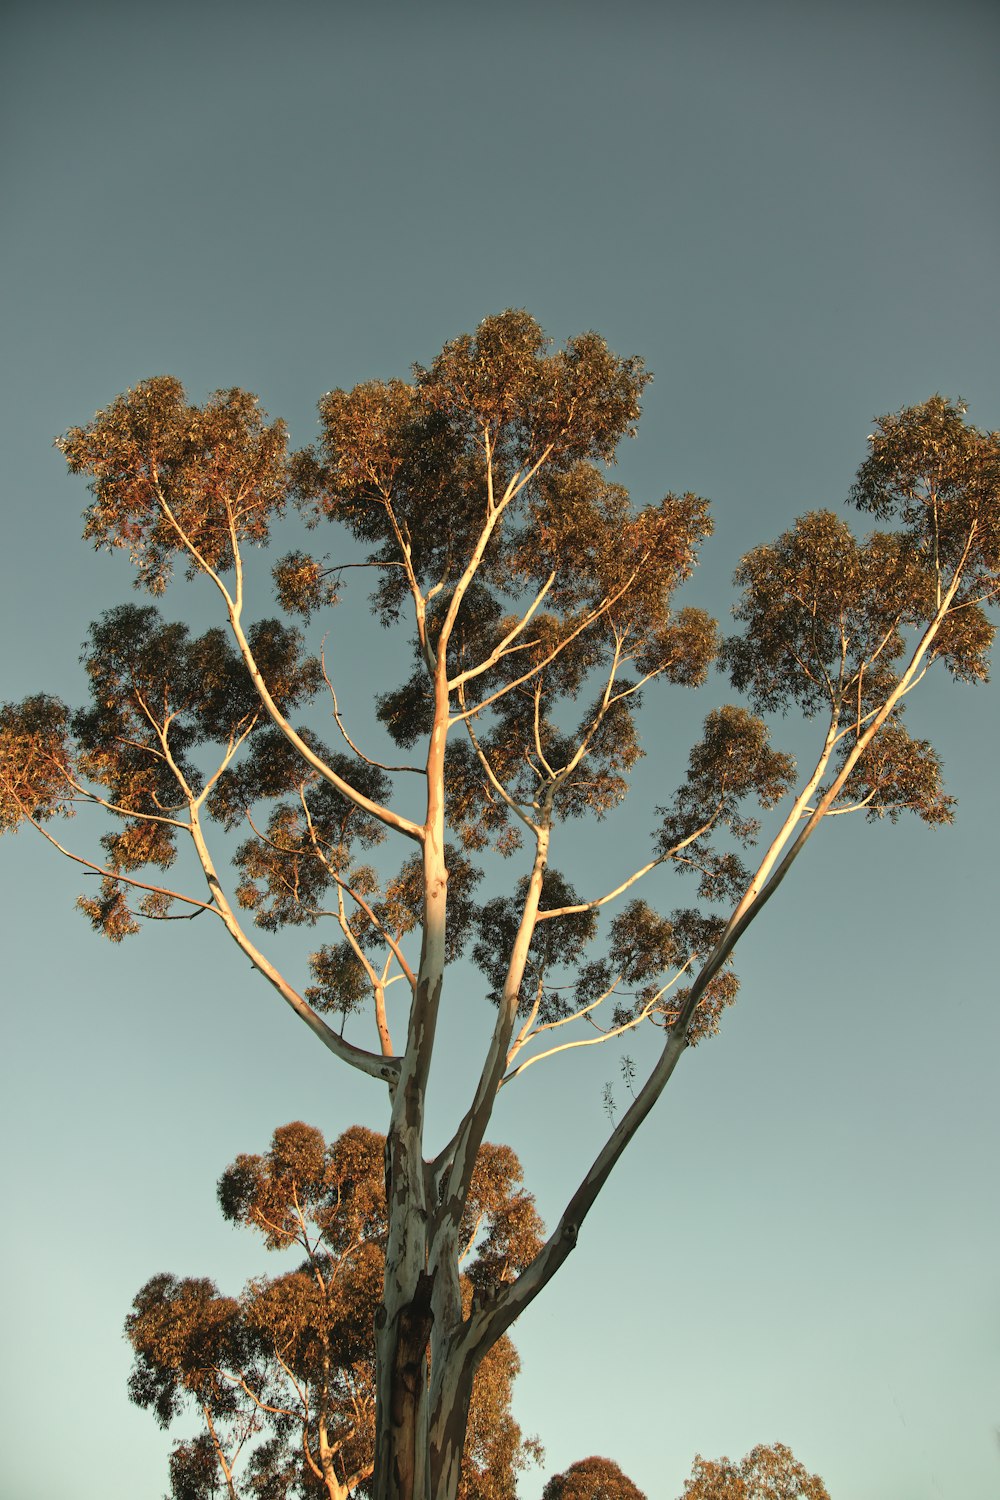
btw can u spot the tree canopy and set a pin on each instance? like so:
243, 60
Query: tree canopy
283, 1376
592, 1479
537, 611
768, 1472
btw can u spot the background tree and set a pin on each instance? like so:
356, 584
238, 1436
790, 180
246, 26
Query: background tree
540, 609
592, 1479
284, 1375
766, 1473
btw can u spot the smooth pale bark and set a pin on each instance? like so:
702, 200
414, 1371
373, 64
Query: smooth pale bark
404, 1321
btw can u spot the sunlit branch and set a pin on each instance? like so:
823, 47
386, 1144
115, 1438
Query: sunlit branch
770, 873
383, 814
788, 827
561, 777
489, 1323
231, 748
494, 780
383, 1068
488, 450
472, 1238
109, 874
189, 545
597, 614
94, 799
419, 601
672, 853
834, 812
381, 1017
980, 599
526, 1030
301, 1391
501, 650
372, 562
583, 1041
121, 739
219, 1451
240, 1382
537, 726
351, 938
235, 546
158, 727
584, 1013
873, 713
355, 896
493, 518
883, 644
548, 914
937, 544
458, 1158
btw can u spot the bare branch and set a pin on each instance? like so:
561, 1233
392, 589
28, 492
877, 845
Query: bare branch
494, 780
415, 770
109, 874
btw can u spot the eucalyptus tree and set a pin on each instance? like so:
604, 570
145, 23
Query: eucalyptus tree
537, 609
592, 1478
281, 1378
768, 1472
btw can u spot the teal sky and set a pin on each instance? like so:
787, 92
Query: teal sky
791, 211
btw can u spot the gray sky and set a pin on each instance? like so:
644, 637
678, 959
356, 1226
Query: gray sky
791, 211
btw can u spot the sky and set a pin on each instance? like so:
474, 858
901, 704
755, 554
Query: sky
790, 210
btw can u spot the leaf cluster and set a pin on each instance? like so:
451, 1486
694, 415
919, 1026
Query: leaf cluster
939, 477
897, 773
825, 616
556, 945
733, 761
35, 760
768, 1472
295, 1353
500, 1226
171, 480
592, 1478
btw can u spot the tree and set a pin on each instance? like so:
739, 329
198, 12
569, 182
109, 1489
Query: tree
592, 1479
766, 1473
284, 1375
540, 611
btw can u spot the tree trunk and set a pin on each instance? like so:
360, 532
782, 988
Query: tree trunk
425, 1377
450, 1421
401, 1417
410, 1303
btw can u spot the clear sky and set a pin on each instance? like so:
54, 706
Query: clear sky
791, 211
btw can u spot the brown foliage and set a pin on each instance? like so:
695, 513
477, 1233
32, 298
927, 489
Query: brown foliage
766, 1473
592, 1479
285, 1373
